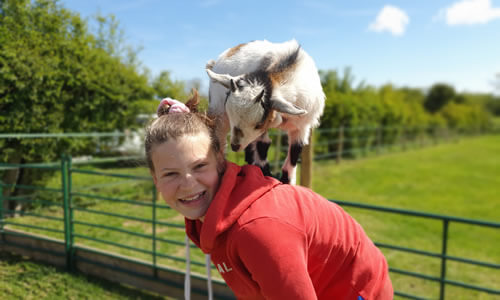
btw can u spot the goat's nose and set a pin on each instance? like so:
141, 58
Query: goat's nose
235, 147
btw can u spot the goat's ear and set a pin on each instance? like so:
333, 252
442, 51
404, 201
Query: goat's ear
226, 80
283, 106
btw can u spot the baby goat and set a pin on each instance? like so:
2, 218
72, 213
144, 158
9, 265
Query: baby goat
262, 85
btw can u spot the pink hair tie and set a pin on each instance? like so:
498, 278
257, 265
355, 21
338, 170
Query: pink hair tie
173, 106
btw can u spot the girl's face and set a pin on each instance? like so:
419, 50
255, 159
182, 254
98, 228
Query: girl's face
186, 174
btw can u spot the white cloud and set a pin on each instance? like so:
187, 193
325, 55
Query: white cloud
391, 19
471, 12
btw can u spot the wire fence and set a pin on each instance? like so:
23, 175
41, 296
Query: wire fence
355, 142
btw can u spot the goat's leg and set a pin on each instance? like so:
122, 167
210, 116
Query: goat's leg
250, 153
256, 153
263, 144
290, 166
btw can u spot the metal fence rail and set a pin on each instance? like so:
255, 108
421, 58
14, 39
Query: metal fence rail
446, 220
65, 224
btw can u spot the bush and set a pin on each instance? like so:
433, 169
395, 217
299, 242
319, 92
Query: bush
466, 118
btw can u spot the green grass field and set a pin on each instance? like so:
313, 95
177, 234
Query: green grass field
459, 179
23, 279
455, 179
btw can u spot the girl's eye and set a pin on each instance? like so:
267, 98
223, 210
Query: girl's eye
200, 166
169, 174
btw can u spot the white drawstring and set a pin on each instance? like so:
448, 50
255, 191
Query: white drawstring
209, 276
187, 276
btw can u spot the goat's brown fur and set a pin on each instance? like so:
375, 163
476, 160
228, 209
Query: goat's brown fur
279, 75
234, 50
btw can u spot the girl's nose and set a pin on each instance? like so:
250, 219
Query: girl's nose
188, 181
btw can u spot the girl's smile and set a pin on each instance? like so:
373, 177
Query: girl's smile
193, 200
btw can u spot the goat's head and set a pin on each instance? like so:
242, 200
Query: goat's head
251, 107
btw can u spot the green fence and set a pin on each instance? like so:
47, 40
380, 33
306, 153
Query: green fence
443, 256
85, 215
138, 226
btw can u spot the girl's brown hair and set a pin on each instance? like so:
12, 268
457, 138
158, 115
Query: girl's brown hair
172, 126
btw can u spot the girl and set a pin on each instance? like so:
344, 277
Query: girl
267, 239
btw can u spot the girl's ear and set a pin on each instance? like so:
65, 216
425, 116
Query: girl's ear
221, 162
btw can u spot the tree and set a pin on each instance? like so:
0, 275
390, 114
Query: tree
413, 95
332, 82
439, 95
466, 117
493, 105
55, 76
164, 86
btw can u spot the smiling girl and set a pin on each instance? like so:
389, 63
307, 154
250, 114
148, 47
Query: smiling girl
267, 239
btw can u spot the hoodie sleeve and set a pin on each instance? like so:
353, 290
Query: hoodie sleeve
275, 255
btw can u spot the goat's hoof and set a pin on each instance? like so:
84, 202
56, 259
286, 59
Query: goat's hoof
266, 170
284, 178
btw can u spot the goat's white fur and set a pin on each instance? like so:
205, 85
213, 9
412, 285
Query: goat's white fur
297, 95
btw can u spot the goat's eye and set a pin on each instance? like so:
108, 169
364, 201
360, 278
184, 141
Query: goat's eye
227, 96
259, 126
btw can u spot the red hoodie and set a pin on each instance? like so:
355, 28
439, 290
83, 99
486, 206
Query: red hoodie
276, 241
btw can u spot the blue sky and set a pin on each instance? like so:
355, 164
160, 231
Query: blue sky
406, 43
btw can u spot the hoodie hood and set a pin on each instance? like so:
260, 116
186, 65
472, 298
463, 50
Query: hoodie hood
239, 188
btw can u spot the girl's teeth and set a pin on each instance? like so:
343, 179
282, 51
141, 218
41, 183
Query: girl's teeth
192, 198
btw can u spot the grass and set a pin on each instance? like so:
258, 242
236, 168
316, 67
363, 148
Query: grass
458, 179
24, 279
455, 179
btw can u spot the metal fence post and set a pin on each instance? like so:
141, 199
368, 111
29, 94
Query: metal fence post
1, 208
70, 206
379, 139
306, 163
340, 144
154, 231
66, 205
402, 137
443, 259
277, 153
